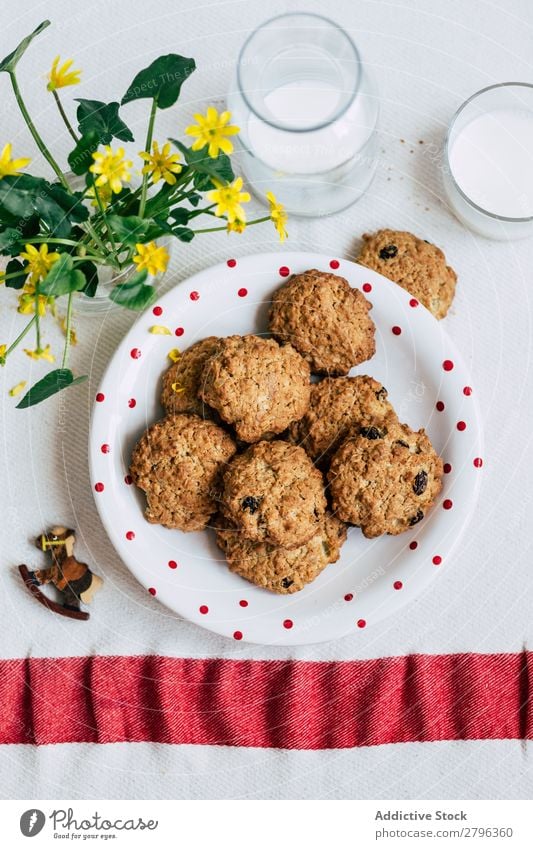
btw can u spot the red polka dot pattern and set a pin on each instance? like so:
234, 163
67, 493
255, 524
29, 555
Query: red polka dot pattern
447, 468
288, 623
231, 263
467, 390
179, 331
284, 271
157, 310
105, 449
203, 609
132, 403
152, 590
437, 560
397, 585
367, 287
461, 426
237, 635
172, 564
194, 296
440, 405
348, 597
128, 480
334, 264
413, 303
135, 353
99, 487
478, 462
243, 603
242, 292
447, 365
361, 623
447, 504
413, 545
130, 535
397, 330
100, 397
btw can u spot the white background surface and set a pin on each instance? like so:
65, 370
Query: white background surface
427, 58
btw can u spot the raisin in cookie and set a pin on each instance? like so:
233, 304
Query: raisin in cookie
414, 264
337, 406
256, 385
325, 320
181, 382
177, 463
281, 570
274, 494
385, 479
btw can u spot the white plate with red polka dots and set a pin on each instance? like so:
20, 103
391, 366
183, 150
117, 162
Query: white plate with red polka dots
428, 386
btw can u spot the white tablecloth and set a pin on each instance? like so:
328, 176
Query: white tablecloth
427, 57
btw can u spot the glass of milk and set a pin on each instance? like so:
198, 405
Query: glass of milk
307, 111
488, 167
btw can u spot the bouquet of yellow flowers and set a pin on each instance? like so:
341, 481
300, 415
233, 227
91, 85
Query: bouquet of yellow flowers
56, 237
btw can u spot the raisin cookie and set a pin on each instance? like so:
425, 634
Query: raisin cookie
256, 385
177, 463
414, 264
274, 494
281, 570
385, 479
337, 406
325, 320
181, 382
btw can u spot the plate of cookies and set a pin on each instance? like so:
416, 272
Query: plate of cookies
286, 448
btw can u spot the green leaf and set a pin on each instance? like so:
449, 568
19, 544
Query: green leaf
184, 234
90, 272
162, 80
51, 383
62, 278
135, 294
9, 63
25, 196
180, 215
131, 229
102, 119
73, 204
81, 157
199, 160
15, 266
10, 242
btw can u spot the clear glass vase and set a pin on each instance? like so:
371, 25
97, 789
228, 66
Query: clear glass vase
307, 111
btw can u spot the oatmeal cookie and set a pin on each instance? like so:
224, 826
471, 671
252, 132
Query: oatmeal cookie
181, 381
256, 385
337, 406
414, 264
281, 570
385, 479
177, 463
325, 320
274, 494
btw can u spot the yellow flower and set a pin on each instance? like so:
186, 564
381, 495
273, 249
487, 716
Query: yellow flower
41, 354
151, 257
228, 199
113, 169
11, 167
3, 349
237, 226
161, 164
17, 389
59, 77
160, 330
39, 261
278, 215
104, 193
27, 301
212, 130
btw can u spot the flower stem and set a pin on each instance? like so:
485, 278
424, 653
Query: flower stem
21, 336
67, 331
64, 116
248, 224
37, 321
102, 213
147, 147
36, 137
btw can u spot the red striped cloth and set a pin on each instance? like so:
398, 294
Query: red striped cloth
280, 704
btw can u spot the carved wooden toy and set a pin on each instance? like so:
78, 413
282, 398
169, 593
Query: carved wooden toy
73, 579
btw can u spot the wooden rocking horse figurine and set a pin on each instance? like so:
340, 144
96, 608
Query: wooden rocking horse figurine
73, 579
